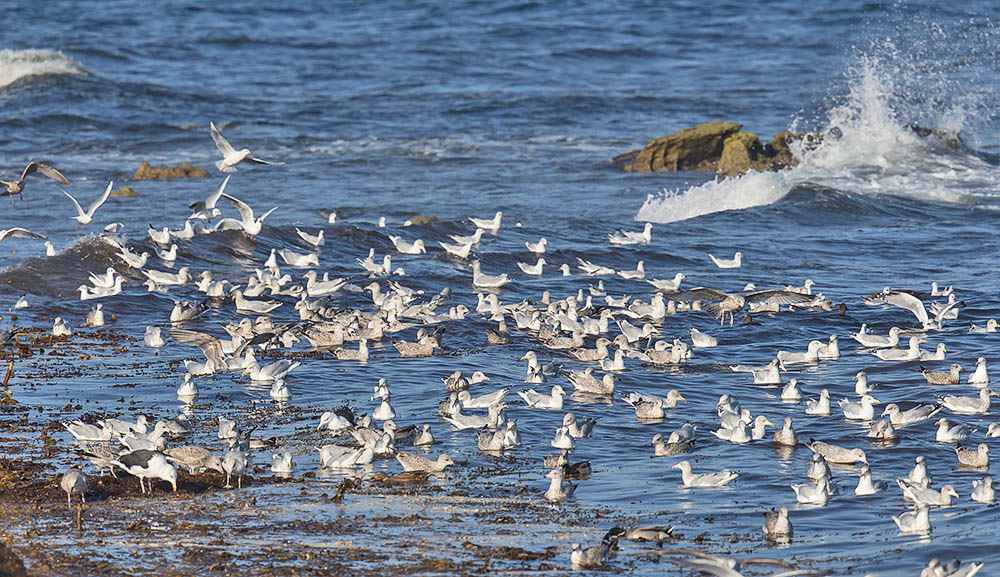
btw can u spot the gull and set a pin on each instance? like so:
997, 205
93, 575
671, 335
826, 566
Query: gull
168, 256
206, 209
758, 431
913, 304
662, 449
454, 416
424, 437
101, 455
532, 269
918, 521
542, 401
942, 378
169, 279
17, 186
337, 420
717, 479
978, 458
968, 405
471, 239
511, 437
993, 431
818, 469
940, 292
146, 464
910, 416
361, 354
909, 354
95, 318
160, 237
927, 496
295, 259
991, 327
234, 463
124, 427
615, 364
194, 458
275, 371
492, 225
456, 382
938, 309
776, 523
416, 247
559, 488
819, 407
188, 389
982, 490
738, 434
791, 391
937, 355
459, 250
87, 293
685, 433
595, 556
882, 431
337, 457
585, 382
979, 377
537, 247
652, 533
186, 311
813, 494
786, 435
623, 237
230, 156
768, 375
861, 411
877, 341
578, 428
563, 440
591, 269
316, 240
411, 462
133, 260
74, 482
482, 401
673, 285
638, 273
633, 334
251, 226
59, 328
861, 387
279, 390
702, 340
919, 472
282, 463
865, 484
252, 306
209, 345
50, 249
735, 262
22, 303
18, 232
811, 354
831, 350
720, 304
481, 280
837, 454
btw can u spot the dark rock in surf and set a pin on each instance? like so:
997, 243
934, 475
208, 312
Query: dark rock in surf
10, 564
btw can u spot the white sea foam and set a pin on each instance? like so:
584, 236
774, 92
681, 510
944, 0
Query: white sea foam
18, 64
868, 148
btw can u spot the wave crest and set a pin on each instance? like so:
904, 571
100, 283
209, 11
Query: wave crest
18, 64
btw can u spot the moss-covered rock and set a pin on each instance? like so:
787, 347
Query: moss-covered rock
740, 153
125, 191
696, 148
185, 170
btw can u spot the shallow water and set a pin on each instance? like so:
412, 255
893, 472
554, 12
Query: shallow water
406, 109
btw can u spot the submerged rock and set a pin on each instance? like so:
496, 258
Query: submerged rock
185, 170
125, 191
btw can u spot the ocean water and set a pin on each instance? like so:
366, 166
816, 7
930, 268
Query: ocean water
397, 110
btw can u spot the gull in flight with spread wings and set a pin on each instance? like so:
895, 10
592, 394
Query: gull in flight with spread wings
230, 156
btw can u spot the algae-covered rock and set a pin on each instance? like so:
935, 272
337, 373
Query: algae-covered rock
740, 153
125, 191
696, 148
185, 170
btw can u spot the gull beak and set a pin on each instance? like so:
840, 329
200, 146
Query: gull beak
486, 378
683, 400
876, 402
522, 358
245, 371
994, 394
854, 378
174, 484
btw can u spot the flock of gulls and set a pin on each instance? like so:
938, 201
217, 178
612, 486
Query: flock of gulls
589, 335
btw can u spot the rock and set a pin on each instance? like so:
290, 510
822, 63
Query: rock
740, 153
185, 170
125, 191
422, 219
697, 148
10, 564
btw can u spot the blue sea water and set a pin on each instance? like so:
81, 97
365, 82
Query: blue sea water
399, 109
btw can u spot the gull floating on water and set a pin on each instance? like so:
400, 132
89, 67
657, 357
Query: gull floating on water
991, 327
968, 405
717, 479
865, 484
982, 490
979, 377
862, 411
251, 226
595, 556
918, 521
927, 496
949, 377
979, 458
624, 237
230, 156
735, 262
491, 225
910, 416
911, 353
537, 247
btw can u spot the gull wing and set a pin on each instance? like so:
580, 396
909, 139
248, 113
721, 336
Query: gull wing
214, 198
246, 213
46, 170
79, 209
696, 294
208, 344
901, 299
262, 161
97, 203
266, 214
220, 142
780, 297
18, 232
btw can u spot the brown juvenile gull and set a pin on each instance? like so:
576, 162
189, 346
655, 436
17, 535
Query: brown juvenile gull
17, 186
942, 377
720, 303
411, 462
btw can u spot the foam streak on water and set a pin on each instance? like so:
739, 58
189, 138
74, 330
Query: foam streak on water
18, 64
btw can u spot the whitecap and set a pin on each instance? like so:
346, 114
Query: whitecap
18, 64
